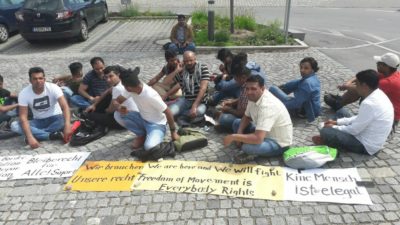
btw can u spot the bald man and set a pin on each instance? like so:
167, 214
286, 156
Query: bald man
193, 80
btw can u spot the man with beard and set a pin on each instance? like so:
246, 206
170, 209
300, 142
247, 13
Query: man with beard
265, 129
193, 80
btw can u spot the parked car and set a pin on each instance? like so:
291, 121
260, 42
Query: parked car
58, 19
8, 23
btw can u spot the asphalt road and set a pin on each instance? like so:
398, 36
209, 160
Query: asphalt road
351, 36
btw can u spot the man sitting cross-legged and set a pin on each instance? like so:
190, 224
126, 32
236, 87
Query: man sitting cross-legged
109, 117
168, 73
266, 128
306, 91
235, 108
92, 87
367, 132
7, 104
149, 124
193, 80
49, 107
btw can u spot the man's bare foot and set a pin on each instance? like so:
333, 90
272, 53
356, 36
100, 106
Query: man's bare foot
138, 142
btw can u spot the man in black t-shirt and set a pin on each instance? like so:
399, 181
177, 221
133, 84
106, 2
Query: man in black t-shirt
7, 104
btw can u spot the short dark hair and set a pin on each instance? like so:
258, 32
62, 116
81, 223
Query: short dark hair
312, 61
256, 78
94, 60
181, 16
237, 71
239, 61
75, 68
1, 78
117, 69
33, 70
169, 54
130, 77
224, 53
368, 77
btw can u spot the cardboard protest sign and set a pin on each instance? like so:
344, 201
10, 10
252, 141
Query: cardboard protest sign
105, 176
10, 164
325, 185
50, 165
247, 181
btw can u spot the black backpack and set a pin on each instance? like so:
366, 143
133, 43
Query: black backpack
164, 149
87, 132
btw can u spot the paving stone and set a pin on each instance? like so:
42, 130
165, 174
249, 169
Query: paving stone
335, 219
390, 216
278, 220
122, 219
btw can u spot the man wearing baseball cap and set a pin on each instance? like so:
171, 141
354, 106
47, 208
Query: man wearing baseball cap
389, 83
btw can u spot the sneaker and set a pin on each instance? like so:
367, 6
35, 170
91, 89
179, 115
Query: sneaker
317, 140
242, 158
58, 135
333, 101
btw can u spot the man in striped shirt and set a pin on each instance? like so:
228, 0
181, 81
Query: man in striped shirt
193, 80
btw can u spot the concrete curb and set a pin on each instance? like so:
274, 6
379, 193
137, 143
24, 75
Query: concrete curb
266, 48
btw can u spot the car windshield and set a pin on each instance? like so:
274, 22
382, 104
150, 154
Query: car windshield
8, 3
44, 5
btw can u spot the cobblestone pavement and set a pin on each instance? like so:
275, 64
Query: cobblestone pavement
113, 36
43, 201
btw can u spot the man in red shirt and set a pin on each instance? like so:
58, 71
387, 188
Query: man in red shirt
389, 80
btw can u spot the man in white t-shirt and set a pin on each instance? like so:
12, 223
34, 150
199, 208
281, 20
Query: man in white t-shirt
265, 129
149, 124
110, 117
49, 107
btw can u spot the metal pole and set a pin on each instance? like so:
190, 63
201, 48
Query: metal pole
287, 16
232, 18
210, 21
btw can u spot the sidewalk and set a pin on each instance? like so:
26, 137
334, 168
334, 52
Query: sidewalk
43, 201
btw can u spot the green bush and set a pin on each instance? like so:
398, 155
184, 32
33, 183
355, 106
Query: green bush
199, 20
130, 11
263, 34
222, 36
201, 37
245, 22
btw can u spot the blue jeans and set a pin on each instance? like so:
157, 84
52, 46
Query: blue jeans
80, 101
154, 132
343, 113
189, 47
341, 140
41, 128
226, 89
281, 95
268, 148
226, 120
182, 107
67, 93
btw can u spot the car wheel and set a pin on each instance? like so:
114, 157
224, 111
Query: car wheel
105, 16
3, 33
84, 33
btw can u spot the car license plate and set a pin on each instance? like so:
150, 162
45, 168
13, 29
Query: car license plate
41, 29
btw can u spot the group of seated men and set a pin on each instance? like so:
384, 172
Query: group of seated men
258, 118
